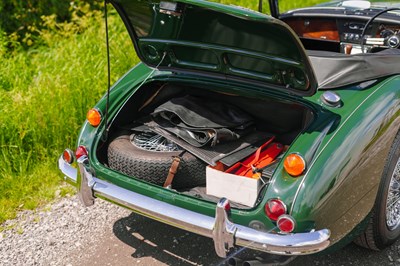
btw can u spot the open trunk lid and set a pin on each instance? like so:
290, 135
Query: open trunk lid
226, 41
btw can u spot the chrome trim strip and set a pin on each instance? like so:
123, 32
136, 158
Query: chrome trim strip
154, 209
292, 244
224, 233
70, 173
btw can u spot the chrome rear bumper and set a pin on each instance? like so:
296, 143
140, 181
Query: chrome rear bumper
224, 233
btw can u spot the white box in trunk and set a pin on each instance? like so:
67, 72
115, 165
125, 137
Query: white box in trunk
236, 188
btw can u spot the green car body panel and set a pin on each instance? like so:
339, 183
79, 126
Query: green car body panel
339, 188
331, 179
212, 38
344, 147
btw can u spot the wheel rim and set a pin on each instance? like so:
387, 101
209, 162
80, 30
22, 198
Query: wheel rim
393, 199
153, 142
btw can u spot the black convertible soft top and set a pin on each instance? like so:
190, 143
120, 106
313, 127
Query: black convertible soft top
334, 70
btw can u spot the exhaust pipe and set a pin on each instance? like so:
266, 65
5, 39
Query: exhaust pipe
253, 263
234, 261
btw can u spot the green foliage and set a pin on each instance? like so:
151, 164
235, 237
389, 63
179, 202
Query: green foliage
44, 94
20, 20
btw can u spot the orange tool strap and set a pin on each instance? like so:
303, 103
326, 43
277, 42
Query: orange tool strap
258, 160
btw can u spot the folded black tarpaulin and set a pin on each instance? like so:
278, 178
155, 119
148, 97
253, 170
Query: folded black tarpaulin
227, 153
201, 122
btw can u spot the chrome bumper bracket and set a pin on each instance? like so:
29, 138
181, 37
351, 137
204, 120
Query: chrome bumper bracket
224, 231
85, 182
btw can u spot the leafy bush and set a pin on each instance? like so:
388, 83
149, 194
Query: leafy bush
21, 19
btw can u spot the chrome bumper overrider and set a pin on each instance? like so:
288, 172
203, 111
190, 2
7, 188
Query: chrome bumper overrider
224, 233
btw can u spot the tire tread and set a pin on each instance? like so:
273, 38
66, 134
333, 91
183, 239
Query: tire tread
372, 238
152, 166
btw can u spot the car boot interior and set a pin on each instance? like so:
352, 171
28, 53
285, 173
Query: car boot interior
271, 116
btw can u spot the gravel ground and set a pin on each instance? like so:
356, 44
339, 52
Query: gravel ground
66, 233
50, 235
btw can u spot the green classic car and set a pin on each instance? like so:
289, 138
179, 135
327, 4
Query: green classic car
277, 133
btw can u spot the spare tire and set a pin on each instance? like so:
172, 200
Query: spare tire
153, 166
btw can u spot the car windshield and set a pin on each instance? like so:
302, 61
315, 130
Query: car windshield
285, 5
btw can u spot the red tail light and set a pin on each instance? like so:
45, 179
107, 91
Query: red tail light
275, 208
68, 156
286, 223
227, 207
80, 151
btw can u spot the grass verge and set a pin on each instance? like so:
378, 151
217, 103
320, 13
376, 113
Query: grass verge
44, 95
